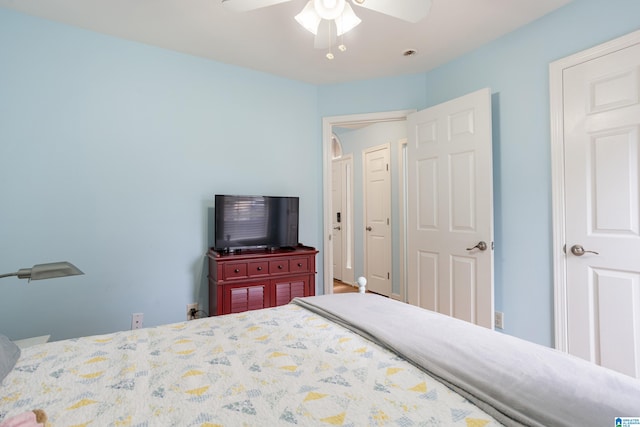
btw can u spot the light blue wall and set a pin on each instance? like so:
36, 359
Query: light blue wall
370, 96
515, 67
111, 154
141, 138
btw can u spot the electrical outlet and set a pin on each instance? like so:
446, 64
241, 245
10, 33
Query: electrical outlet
190, 307
499, 319
136, 320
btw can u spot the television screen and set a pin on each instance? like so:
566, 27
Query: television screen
255, 222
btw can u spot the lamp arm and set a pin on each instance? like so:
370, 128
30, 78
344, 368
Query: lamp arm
8, 275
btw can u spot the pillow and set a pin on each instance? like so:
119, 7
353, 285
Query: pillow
9, 354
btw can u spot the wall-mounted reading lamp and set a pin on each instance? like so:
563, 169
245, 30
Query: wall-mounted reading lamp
46, 271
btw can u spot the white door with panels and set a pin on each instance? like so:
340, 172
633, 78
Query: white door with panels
450, 209
377, 219
601, 115
342, 205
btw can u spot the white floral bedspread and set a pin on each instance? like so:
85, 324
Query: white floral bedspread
280, 366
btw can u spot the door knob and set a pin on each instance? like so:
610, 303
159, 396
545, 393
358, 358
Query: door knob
369, 228
482, 245
578, 250
337, 227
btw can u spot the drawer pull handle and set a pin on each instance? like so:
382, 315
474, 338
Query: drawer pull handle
236, 271
280, 267
299, 264
259, 268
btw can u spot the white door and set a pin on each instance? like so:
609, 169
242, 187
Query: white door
336, 206
602, 191
377, 219
450, 209
342, 206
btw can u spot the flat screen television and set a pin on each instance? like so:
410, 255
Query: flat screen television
255, 222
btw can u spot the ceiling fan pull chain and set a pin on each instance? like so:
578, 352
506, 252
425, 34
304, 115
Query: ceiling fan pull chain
342, 47
329, 34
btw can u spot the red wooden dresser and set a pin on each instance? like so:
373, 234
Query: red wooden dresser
251, 280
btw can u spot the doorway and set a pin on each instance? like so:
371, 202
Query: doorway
373, 123
329, 124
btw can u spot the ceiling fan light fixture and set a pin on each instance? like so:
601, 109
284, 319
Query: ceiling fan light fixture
347, 21
309, 18
329, 9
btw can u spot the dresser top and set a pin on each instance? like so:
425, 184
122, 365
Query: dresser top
262, 253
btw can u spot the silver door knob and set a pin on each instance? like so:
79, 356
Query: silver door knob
578, 250
337, 227
369, 228
481, 245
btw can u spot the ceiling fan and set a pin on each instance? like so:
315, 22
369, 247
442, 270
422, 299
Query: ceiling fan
329, 19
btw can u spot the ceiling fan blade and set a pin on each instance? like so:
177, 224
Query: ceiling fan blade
407, 10
326, 37
246, 5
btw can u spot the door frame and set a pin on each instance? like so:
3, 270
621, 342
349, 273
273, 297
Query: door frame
402, 217
556, 70
327, 126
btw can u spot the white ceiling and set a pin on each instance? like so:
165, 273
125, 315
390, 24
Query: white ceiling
270, 40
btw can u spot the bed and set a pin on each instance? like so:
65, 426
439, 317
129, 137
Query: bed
348, 359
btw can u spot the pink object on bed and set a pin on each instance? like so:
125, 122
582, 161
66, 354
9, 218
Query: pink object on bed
26, 419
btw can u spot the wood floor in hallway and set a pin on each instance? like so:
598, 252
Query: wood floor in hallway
342, 288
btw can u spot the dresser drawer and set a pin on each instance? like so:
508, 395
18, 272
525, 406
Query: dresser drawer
256, 269
299, 265
279, 266
235, 270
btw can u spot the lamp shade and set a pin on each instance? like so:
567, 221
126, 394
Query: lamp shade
347, 21
308, 18
46, 271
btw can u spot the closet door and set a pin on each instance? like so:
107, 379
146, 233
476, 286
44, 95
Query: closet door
602, 190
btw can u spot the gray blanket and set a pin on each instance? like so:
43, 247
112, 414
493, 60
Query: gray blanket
515, 381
